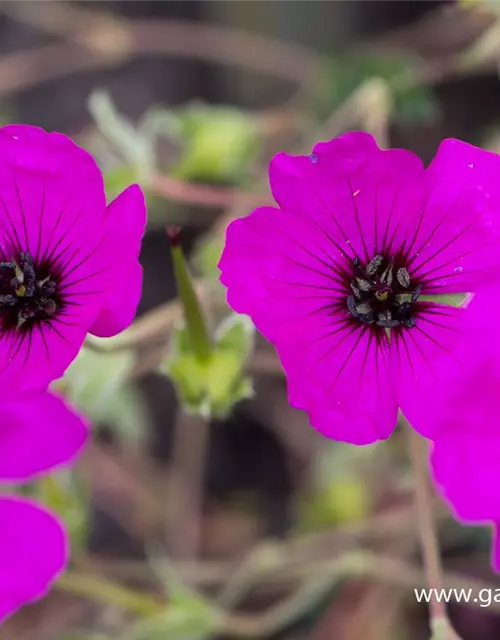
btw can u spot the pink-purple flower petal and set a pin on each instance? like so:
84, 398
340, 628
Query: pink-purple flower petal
68, 263
455, 239
37, 435
124, 225
360, 236
33, 553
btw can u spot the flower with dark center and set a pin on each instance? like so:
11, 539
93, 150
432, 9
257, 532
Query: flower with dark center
343, 277
68, 262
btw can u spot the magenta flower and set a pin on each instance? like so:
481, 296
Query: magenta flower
68, 263
338, 277
36, 435
464, 423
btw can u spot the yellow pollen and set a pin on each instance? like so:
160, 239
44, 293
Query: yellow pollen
382, 295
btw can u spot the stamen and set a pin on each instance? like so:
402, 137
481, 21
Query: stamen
382, 294
403, 277
27, 293
374, 265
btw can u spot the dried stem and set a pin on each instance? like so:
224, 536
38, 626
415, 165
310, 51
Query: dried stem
185, 493
202, 195
428, 533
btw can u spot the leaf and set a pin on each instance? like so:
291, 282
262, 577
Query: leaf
135, 148
236, 334
219, 144
188, 616
97, 383
412, 103
415, 104
65, 493
207, 255
344, 500
211, 386
117, 179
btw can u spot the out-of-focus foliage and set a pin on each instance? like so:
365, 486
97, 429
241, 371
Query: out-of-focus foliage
214, 144
411, 102
339, 492
210, 387
135, 149
207, 370
97, 383
472, 4
186, 617
207, 256
64, 493
219, 144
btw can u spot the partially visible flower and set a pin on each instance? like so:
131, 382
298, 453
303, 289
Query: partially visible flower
68, 263
339, 277
36, 436
465, 423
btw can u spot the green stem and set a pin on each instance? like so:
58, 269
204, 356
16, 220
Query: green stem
196, 325
102, 590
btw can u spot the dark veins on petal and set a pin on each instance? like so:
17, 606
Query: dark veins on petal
28, 293
382, 294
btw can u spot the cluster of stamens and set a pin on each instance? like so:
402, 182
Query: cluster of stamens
27, 294
382, 294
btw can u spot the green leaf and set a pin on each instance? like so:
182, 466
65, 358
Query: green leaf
188, 616
344, 500
195, 322
97, 383
160, 121
415, 104
117, 179
211, 386
220, 143
65, 493
412, 103
137, 149
207, 255
236, 334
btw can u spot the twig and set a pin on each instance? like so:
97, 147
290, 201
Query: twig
320, 578
185, 492
107, 592
428, 531
202, 195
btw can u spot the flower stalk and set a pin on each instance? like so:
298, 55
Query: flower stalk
196, 325
439, 622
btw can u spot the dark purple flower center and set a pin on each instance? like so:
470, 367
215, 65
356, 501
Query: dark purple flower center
382, 294
28, 294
